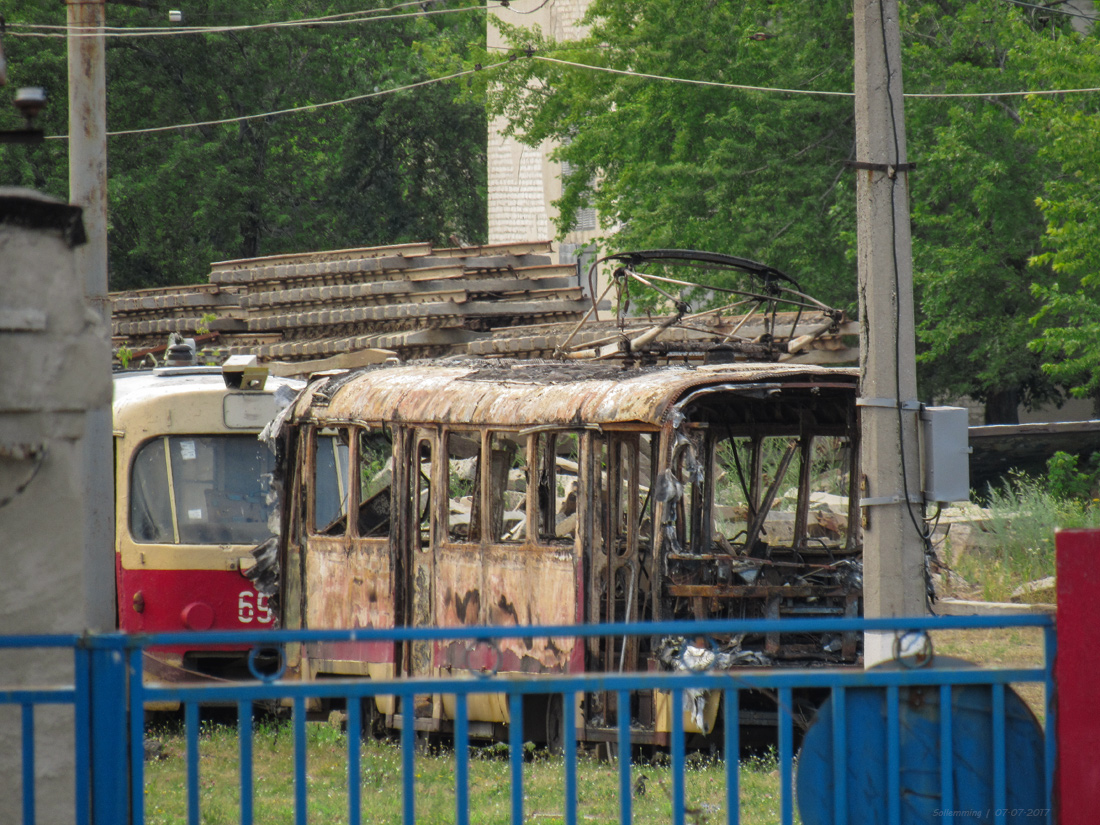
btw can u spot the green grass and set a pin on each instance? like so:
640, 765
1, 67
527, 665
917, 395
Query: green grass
380, 781
1018, 545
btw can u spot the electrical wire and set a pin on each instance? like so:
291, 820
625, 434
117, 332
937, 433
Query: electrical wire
896, 270
296, 109
505, 5
64, 32
717, 84
688, 81
1053, 10
346, 18
299, 21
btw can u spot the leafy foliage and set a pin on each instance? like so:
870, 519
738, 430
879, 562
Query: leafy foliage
669, 165
389, 169
975, 223
762, 174
1066, 482
1065, 130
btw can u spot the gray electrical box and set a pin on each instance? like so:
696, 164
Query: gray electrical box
945, 453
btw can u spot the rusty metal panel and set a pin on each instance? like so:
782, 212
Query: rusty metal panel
531, 585
349, 589
506, 585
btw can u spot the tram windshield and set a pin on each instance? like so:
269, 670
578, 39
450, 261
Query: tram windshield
201, 489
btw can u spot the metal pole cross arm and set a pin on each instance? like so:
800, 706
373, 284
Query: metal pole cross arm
896, 498
889, 403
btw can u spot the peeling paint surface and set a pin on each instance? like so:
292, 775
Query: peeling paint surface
350, 589
507, 586
520, 394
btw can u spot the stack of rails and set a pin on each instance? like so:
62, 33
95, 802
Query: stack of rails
142, 319
505, 300
411, 298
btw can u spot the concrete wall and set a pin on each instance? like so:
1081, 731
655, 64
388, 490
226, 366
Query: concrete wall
54, 369
523, 181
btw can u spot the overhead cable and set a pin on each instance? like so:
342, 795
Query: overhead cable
504, 5
343, 19
311, 107
818, 92
1053, 10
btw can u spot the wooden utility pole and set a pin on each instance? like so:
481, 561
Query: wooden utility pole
893, 554
88, 190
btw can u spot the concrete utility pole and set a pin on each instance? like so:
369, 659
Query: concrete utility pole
88, 190
893, 550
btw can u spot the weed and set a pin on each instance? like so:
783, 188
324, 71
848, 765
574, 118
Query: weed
1069, 483
1024, 514
203, 326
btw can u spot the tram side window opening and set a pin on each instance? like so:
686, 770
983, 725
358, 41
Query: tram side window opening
330, 481
334, 480
779, 490
375, 460
489, 499
508, 483
464, 486
559, 461
422, 492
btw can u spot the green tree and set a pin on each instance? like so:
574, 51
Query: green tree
1066, 130
389, 169
975, 223
762, 174
671, 165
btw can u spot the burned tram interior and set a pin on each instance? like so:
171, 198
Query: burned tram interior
480, 492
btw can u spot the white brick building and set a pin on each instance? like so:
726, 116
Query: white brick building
523, 181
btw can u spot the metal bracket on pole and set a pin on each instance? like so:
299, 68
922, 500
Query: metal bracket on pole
891, 169
896, 498
889, 403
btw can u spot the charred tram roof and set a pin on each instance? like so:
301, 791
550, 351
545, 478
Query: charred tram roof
514, 393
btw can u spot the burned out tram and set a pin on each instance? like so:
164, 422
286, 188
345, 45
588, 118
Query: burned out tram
568, 492
192, 499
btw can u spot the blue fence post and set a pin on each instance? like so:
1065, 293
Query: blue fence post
83, 716
109, 754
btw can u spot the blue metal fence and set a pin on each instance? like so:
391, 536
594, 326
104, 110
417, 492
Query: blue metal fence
110, 765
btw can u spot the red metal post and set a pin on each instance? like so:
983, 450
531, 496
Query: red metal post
1077, 783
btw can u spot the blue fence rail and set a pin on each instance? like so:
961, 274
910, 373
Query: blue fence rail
890, 745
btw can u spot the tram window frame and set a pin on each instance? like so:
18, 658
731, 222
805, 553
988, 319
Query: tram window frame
623, 486
374, 441
340, 453
423, 456
820, 462
202, 505
554, 494
463, 446
148, 467
494, 504
693, 508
